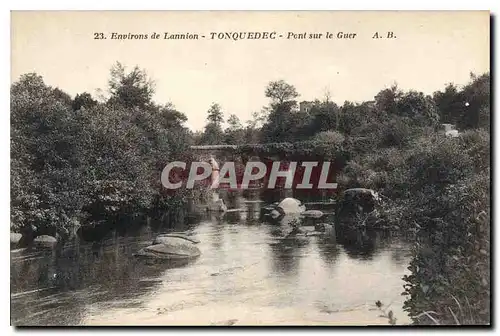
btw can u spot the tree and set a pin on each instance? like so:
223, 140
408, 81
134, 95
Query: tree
133, 89
326, 116
350, 118
252, 131
476, 103
83, 100
277, 127
281, 122
215, 115
386, 100
46, 166
169, 117
449, 104
62, 96
234, 123
102, 163
234, 131
419, 108
213, 133
280, 92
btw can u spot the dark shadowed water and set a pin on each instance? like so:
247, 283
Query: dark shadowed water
246, 275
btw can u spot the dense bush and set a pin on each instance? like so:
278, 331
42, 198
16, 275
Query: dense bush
450, 280
450, 207
80, 160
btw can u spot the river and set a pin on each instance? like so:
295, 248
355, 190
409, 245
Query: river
246, 275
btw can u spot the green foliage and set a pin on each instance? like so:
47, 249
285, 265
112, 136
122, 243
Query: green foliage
279, 123
83, 100
446, 181
213, 133
439, 188
88, 160
133, 89
386, 100
477, 98
331, 138
79, 159
419, 108
450, 269
450, 104
215, 115
469, 107
281, 92
326, 116
304, 149
234, 133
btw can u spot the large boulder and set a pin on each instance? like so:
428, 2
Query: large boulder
45, 241
170, 248
267, 209
291, 206
165, 238
288, 207
357, 207
14, 239
313, 214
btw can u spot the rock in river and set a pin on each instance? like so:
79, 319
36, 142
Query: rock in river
15, 238
313, 213
45, 241
163, 238
170, 248
291, 206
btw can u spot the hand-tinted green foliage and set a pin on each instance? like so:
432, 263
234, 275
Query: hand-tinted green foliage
80, 159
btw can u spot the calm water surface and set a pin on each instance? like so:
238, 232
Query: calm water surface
246, 275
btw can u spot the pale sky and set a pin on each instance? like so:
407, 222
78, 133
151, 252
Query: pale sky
431, 49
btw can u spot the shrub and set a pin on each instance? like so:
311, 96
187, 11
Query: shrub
450, 269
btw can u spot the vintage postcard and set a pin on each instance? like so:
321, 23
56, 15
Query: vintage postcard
250, 168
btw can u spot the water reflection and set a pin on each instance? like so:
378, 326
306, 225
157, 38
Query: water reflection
286, 255
328, 248
244, 263
359, 244
77, 272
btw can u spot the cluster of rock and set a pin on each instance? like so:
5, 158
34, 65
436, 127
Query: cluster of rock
291, 213
290, 207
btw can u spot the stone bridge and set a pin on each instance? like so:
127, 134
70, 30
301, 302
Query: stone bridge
225, 153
